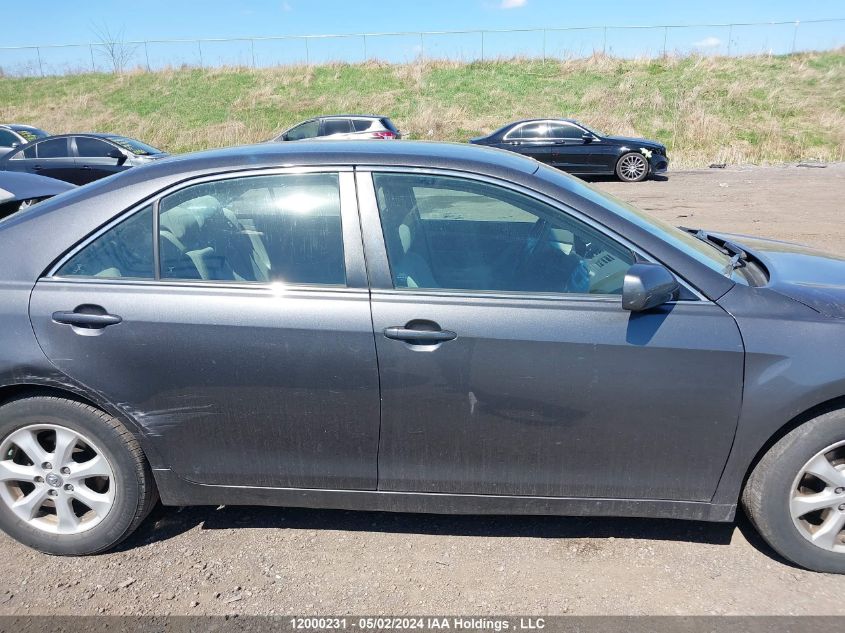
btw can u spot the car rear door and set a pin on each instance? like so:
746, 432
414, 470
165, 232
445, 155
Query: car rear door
240, 340
529, 139
570, 152
508, 366
51, 157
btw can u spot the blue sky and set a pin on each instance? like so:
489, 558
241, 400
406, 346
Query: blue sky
64, 21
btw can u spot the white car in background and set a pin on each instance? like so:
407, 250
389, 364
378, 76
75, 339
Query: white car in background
355, 127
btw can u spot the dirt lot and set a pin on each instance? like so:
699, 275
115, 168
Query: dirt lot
291, 561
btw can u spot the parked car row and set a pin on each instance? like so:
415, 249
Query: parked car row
562, 143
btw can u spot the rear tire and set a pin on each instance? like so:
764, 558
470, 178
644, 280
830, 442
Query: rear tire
632, 167
795, 496
89, 457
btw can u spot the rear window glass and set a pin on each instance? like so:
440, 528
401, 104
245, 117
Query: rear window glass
362, 125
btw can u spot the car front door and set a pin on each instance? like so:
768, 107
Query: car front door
93, 160
51, 157
508, 366
570, 151
529, 139
246, 351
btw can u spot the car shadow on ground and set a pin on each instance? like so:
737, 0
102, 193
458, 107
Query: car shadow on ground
169, 522
165, 523
591, 179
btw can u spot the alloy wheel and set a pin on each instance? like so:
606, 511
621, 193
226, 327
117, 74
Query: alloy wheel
817, 499
632, 167
55, 479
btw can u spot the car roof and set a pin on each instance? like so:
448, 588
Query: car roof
19, 126
548, 118
352, 116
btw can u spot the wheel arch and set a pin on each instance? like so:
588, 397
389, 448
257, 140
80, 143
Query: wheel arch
15, 391
833, 404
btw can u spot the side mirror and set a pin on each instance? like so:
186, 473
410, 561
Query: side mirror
15, 145
119, 156
647, 286
587, 137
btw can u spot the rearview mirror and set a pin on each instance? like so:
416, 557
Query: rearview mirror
587, 137
647, 286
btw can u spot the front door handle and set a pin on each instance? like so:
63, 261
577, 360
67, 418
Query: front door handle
86, 320
419, 337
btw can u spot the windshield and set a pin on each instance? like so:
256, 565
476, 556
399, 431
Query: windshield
706, 253
30, 133
136, 147
592, 131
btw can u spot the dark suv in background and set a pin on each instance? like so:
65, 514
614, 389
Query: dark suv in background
356, 127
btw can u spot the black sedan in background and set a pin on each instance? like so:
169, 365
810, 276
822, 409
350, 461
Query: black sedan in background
80, 158
575, 148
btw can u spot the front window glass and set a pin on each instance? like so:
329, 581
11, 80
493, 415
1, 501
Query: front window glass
460, 234
283, 228
564, 130
88, 147
309, 129
124, 251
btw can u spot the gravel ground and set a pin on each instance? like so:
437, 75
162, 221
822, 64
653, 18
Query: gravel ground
290, 561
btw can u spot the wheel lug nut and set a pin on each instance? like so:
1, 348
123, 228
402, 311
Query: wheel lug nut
839, 490
68, 487
65, 470
39, 479
842, 507
47, 466
52, 492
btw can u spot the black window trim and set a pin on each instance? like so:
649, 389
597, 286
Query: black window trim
366, 173
351, 260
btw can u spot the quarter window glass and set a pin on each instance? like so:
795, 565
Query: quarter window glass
529, 131
92, 147
125, 250
336, 126
563, 130
53, 148
454, 233
283, 228
309, 129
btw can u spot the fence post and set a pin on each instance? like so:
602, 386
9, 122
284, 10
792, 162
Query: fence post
93, 65
730, 37
482, 45
665, 37
422, 48
40, 65
199, 48
364, 36
544, 46
307, 54
252, 51
795, 35
147, 55
604, 42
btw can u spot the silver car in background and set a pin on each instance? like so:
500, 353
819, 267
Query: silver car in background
356, 127
13, 135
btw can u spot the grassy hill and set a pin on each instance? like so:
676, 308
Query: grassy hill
764, 109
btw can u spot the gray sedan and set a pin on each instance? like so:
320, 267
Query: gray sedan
409, 327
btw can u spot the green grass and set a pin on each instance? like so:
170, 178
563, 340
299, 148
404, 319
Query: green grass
765, 109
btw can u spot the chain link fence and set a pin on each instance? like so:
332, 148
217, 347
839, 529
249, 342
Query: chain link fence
466, 46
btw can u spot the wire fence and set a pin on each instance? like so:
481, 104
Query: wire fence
468, 45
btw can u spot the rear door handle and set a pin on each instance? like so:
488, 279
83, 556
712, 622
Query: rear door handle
420, 337
82, 319
37, 168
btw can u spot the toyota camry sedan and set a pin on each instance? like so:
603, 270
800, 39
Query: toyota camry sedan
412, 327
577, 149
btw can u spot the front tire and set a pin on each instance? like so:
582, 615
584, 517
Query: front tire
632, 167
795, 496
73, 479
